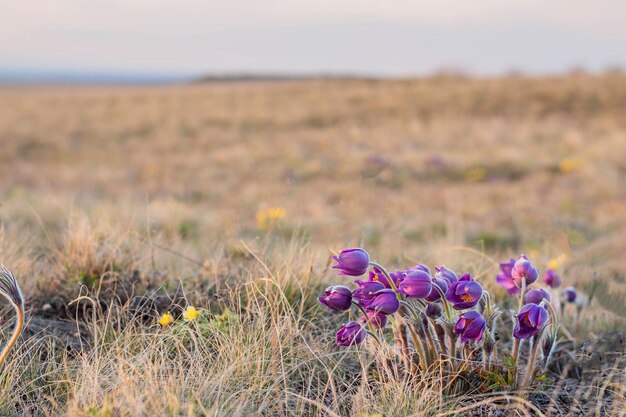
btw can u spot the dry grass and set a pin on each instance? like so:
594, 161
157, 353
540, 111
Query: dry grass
118, 202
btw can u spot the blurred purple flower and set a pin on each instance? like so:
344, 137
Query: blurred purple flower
377, 320
470, 326
375, 164
337, 297
353, 262
384, 301
505, 279
351, 333
416, 284
531, 319
464, 293
365, 291
570, 294
523, 268
551, 279
535, 296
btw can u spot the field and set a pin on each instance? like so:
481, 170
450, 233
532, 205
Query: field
118, 204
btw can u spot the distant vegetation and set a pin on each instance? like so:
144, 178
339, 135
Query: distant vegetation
119, 205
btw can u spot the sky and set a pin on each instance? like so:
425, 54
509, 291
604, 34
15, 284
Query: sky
366, 37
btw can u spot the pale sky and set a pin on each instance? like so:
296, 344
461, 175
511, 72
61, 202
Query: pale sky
394, 37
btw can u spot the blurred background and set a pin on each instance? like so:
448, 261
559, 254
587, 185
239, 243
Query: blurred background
420, 131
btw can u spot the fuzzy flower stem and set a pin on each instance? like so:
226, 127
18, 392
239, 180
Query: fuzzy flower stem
416, 339
19, 310
369, 323
488, 308
555, 331
386, 274
10, 289
446, 305
522, 294
531, 360
516, 344
420, 347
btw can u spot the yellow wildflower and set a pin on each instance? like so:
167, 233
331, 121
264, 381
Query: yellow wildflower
570, 165
166, 319
557, 262
190, 314
476, 174
270, 216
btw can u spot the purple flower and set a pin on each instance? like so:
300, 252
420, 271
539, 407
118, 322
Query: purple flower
531, 319
464, 293
447, 274
353, 262
351, 333
376, 319
434, 294
524, 269
337, 297
434, 310
377, 275
420, 267
551, 279
365, 292
569, 294
505, 279
535, 296
384, 301
416, 284
470, 326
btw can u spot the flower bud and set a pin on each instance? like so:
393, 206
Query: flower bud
353, 262
337, 297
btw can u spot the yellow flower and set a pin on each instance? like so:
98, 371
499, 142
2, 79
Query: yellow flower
270, 216
190, 314
261, 220
166, 319
570, 165
476, 174
555, 263
276, 213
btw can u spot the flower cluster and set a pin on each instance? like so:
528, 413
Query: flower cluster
190, 314
444, 311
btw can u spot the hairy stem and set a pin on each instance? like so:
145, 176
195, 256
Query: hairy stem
531, 361
19, 310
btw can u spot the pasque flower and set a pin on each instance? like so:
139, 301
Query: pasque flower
351, 333
442, 283
376, 275
551, 279
365, 292
446, 273
569, 294
505, 279
353, 262
375, 318
470, 326
416, 284
535, 296
523, 268
531, 319
464, 293
337, 297
383, 301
